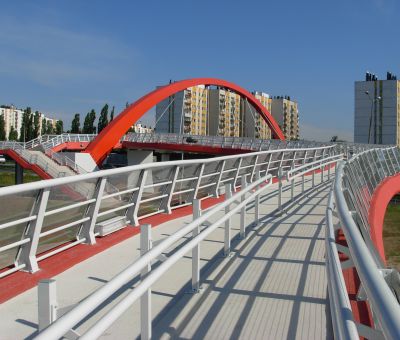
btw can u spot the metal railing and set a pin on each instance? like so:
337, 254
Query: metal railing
355, 182
243, 143
43, 218
233, 204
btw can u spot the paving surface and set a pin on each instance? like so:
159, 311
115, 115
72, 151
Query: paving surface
272, 286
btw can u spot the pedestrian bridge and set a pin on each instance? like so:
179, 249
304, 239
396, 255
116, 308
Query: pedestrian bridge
273, 244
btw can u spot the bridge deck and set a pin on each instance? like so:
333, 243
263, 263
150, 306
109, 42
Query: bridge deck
273, 285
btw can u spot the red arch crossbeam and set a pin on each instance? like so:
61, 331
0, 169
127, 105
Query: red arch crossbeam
109, 137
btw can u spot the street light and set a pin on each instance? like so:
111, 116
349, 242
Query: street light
373, 101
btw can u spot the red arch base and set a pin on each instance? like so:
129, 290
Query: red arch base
381, 197
105, 141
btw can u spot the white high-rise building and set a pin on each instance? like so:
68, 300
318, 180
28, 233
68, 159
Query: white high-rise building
184, 112
377, 110
12, 117
254, 125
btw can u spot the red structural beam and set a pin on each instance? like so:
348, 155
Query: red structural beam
381, 197
109, 137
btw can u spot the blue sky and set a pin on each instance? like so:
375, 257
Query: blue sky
63, 57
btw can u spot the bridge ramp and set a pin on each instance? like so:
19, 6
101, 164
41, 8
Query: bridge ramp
273, 285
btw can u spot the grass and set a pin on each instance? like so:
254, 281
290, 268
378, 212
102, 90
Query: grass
391, 236
8, 177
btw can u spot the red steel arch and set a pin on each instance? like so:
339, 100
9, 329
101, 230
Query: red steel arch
109, 137
381, 197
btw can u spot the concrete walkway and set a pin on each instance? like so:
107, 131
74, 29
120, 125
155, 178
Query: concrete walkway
273, 286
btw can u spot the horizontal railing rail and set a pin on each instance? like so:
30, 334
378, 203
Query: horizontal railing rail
249, 193
128, 193
69, 320
355, 183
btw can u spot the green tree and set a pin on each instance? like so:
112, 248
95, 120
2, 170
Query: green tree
103, 119
13, 135
36, 125
59, 127
88, 124
112, 114
2, 128
27, 125
76, 124
49, 128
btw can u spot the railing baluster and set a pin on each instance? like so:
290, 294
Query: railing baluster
243, 210
133, 211
145, 299
196, 249
87, 229
166, 202
227, 233
27, 252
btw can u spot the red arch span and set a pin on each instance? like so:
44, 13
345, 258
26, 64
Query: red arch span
381, 197
109, 137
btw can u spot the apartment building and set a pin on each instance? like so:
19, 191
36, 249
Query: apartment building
225, 117
12, 117
140, 128
184, 112
254, 125
202, 110
286, 114
377, 110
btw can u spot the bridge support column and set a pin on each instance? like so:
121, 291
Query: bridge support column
227, 233
19, 174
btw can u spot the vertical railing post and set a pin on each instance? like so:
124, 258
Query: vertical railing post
253, 171
313, 171
47, 303
198, 181
303, 176
243, 210
132, 212
280, 178
166, 202
227, 232
237, 174
292, 186
145, 299
196, 249
322, 166
87, 229
257, 203
27, 251
221, 171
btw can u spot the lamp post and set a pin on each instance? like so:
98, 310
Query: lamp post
373, 101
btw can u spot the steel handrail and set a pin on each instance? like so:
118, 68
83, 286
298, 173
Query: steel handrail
384, 305
159, 165
342, 317
70, 319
